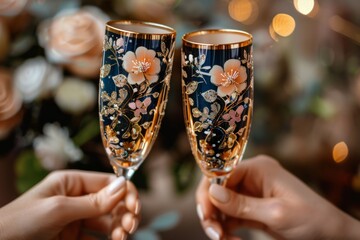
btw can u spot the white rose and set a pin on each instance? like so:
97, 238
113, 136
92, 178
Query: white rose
74, 38
10, 104
36, 78
75, 95
55, 149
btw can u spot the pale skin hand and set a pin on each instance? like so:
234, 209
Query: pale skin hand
72, 205
262, 194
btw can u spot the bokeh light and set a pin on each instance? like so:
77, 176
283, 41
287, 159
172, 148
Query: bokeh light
283, 24
273, 34
304, 6
244, 11
340, 152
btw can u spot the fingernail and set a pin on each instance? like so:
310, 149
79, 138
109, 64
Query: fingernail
212, 233
116, 185
137, 207
134, 226
200, 211
220, 193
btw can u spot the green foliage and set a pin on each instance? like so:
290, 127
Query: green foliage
28, 170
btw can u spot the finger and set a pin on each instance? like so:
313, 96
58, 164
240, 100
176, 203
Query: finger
118, 234
101, 224
91, 205
232, 224
251, 175
129, 222
212, 229
132, 201
75, 182
265, 210
204, 207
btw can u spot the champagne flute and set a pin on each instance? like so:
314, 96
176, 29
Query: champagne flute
217, 90
133, 90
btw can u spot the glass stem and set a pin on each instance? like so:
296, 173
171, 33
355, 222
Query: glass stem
219, 180
125, 172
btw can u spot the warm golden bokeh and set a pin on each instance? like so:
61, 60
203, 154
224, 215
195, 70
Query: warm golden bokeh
304, 6
283, 24
244, 11
340, 152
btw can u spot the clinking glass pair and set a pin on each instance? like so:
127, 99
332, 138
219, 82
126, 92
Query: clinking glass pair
217, 90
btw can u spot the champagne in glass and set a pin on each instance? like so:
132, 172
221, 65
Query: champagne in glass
133, 90
217, 90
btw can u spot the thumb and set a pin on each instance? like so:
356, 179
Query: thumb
94, 204
264, 210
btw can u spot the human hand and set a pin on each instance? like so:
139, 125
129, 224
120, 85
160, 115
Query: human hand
262, 194
73, 205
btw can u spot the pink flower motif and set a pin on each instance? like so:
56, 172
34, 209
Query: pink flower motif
141, 65
234, 116
231, 78
140, 107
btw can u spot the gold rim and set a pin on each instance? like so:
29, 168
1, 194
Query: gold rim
194, 44
110, 27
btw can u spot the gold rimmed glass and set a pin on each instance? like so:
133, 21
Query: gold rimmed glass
217, 90
133, 90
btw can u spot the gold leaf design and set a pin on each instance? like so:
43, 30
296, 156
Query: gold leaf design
198, 127
156, 94
146, 125
196, 112
123, 93
191, 87
231, 140
120, 80
105, 70
209, 96
231, 129
135, 119
163, 47
191, 101
135, 131
126, 134
215, 108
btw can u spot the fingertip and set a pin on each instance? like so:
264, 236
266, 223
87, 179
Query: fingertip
133, 204
200, 212
115, 186
219, 193
118, 234
213, 230
129, 222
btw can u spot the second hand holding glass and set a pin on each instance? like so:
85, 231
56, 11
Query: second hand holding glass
217, 90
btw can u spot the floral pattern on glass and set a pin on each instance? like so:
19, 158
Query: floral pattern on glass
218, 95
134, 83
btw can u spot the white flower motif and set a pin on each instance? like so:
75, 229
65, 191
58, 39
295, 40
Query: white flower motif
36, 78
55, 149
75, 95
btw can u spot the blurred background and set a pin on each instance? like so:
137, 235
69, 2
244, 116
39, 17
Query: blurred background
307, 98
